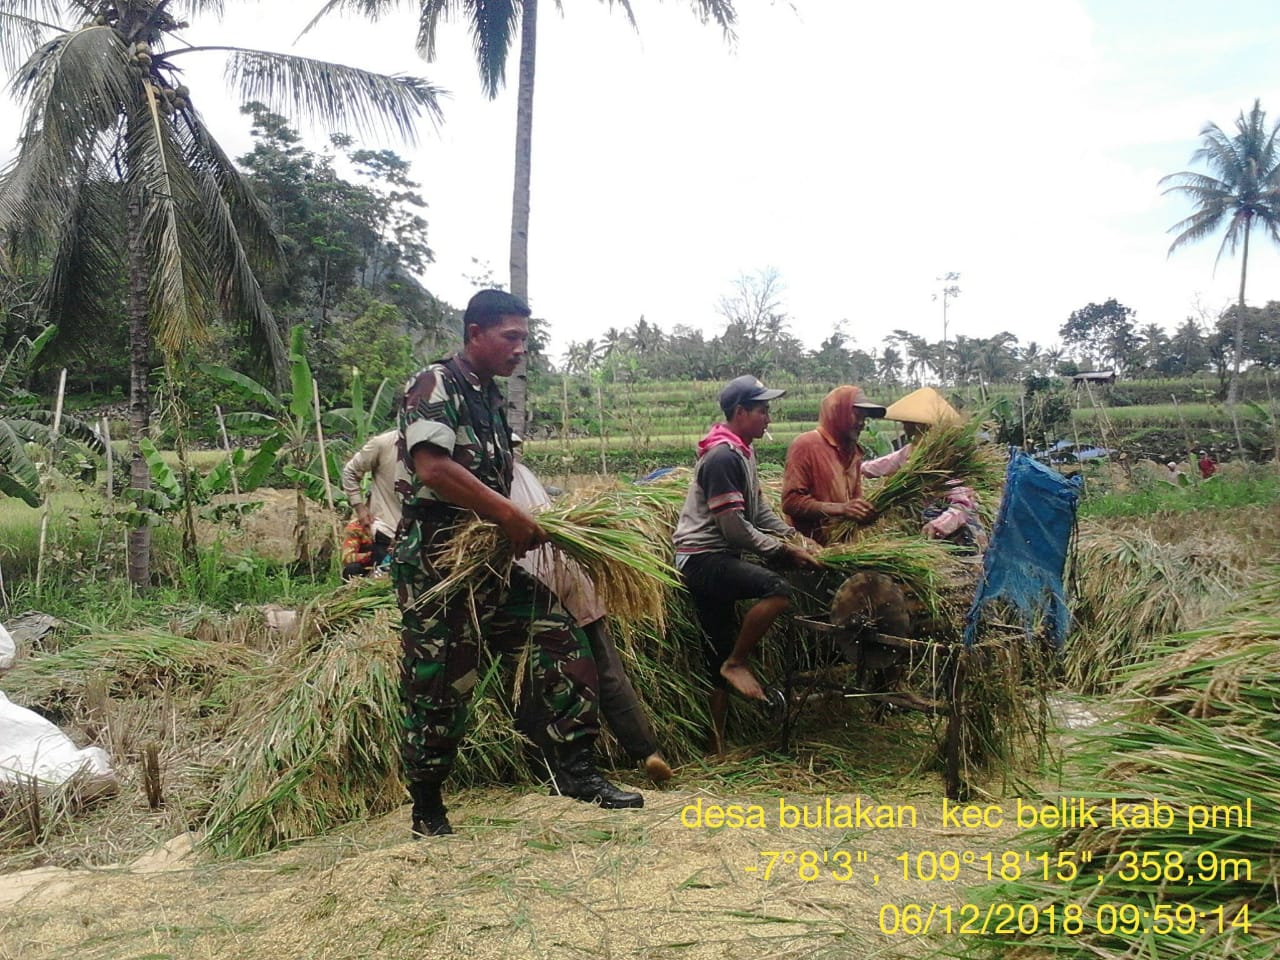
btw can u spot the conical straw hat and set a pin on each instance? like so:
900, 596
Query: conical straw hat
925, 405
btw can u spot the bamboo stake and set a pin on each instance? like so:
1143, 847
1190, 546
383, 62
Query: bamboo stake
226, 445
1193, 468
324, 466
104, 428
604, 437
48, 489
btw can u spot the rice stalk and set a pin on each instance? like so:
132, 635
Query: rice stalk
323, 747
931, 570
1131, 589
131, 661
940, 456
611, 539
1200, 731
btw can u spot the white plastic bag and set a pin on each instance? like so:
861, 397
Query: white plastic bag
33, 748
8, 649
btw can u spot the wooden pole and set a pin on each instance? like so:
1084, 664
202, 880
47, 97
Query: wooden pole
564, 412
324, 466
48, 487
1193, 462
604, 439
104, 427
226, 445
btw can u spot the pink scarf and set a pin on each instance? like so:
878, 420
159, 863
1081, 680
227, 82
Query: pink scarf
719, 434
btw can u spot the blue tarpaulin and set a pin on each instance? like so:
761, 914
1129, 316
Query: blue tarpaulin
1028, 549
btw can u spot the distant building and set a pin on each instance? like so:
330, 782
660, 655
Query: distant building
1094, 376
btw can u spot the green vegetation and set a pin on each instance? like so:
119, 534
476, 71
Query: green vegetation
1152, 497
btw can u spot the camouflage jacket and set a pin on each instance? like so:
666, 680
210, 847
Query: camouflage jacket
447, 406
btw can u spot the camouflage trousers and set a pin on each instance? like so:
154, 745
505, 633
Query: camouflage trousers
440, 651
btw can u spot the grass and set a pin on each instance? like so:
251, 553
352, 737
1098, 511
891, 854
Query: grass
1227, 490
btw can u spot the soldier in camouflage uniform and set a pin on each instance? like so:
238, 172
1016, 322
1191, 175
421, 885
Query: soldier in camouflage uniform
455, 452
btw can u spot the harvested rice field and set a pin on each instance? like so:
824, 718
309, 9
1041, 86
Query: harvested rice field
271, 820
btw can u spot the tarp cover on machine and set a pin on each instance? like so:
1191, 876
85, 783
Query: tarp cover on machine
1028, 548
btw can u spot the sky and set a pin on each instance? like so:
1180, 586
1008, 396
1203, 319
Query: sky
859, 149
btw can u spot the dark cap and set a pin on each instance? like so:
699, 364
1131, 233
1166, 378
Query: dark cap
869, 407
745, 389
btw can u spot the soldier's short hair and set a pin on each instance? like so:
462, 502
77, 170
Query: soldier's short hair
488, 307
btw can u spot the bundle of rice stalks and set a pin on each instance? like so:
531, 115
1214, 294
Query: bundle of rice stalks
130, 661
1131, 589
939, 456
611, 539
322, 748
931, 570
1197, 881
999, 690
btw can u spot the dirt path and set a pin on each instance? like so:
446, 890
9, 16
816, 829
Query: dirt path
526, 876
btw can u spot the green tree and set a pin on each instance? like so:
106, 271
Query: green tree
117, 175
890, 365
1188, 352
493, 32
1241, 190
1103, 331
370, 337
23, 420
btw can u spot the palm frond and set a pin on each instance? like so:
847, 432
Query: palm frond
369, 9
331, 95
215, 8
235, 282
76, 87
72, 431
721, 12
20, 36
252, 219
82, 288
494, 26
178, 312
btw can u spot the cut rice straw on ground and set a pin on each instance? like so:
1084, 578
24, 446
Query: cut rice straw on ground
323, 748
1200, 735
1131, 589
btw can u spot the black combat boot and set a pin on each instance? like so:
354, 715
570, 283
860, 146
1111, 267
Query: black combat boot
429, 811
577, 777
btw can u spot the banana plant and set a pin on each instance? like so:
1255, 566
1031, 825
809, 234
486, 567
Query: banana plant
168, 495
287, 426
358, 421
24, 421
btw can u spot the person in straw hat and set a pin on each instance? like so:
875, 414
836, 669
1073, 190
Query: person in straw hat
955, 517
824, 471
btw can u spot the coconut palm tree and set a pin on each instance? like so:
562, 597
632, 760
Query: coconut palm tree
493, 32
1241, 190
117, 176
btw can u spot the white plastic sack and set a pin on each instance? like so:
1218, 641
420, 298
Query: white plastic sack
32, 747
547, 565
8, 649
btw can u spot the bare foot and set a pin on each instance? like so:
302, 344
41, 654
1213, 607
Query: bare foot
742, 680
656, 768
